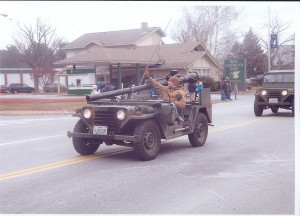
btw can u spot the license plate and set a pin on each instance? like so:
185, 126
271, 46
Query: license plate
273, 100
100, 130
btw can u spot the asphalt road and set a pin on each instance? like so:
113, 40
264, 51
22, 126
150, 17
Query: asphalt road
247, 166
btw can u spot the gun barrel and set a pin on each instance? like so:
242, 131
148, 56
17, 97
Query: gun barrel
191, 77
118, 92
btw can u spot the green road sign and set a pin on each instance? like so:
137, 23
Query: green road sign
235, 69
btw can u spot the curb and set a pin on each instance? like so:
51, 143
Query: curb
32, 112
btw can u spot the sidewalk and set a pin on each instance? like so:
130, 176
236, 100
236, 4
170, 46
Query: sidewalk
215, 98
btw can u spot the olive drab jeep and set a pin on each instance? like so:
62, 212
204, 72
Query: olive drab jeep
139, 122
277, 91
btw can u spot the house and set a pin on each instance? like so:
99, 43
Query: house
121, 56
283, 58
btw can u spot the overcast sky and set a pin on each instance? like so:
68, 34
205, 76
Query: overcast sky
75, 18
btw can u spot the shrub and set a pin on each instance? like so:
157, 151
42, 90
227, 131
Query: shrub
209, 82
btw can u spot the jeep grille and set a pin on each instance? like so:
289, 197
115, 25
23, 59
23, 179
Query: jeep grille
106, 118
274, 94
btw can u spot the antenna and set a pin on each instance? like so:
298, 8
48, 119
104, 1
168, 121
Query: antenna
155, 50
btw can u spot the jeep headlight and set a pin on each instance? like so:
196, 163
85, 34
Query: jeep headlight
263, 92
121, 114
284, 92
87, 113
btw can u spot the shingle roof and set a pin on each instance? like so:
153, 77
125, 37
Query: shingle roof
179, 55
113, 38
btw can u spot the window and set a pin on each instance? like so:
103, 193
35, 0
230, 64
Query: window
202, 72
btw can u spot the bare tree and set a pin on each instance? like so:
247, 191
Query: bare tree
285, 51
210, 25
37, 46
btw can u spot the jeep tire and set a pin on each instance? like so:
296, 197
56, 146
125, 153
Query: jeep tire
81, 145
199, 135
293, 114
149, 146
258, 110
274, 109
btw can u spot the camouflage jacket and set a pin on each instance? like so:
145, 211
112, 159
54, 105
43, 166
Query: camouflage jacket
164, 90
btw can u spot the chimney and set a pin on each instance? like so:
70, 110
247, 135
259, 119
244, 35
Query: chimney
145, 26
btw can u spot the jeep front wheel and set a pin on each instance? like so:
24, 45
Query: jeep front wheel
149, 145
81, 145
199, 135
274, 109
258, 110
293, 114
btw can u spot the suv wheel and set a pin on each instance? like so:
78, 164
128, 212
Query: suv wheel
149, 145
199, 135
258, 110
81, 145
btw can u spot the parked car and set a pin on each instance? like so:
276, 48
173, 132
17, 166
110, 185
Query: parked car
20, 88
4, 89
53, 87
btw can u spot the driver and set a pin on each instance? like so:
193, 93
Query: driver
172, 93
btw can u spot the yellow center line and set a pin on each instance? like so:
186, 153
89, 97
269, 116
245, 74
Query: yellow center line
239, 124
55, 165
81, 159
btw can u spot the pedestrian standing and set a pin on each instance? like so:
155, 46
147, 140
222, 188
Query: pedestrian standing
228, 89
235, 89
222, 88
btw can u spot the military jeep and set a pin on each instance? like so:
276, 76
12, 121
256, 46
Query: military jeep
277, 91
139, 122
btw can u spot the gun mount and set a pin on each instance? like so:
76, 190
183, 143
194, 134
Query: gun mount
191, 77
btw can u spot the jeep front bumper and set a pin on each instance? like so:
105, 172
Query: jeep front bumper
104, 137
273, 104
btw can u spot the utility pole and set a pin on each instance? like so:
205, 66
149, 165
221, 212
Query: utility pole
4, 15
269, 41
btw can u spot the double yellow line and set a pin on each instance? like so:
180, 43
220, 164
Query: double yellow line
55, 165
239, 124
81, 159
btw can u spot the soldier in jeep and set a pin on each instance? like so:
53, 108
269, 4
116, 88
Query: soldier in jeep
172, 93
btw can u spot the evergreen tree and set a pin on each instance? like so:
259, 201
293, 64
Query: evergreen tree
251, 50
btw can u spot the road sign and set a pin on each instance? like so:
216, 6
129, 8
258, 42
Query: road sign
235, 70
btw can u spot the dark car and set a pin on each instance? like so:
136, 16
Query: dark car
20, 88
53, 87
4, 89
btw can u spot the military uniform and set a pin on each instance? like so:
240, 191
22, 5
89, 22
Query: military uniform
173, 92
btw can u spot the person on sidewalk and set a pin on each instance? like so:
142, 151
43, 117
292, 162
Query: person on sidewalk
222, 88
236, 91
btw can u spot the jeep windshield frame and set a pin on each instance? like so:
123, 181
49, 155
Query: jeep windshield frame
279, 79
